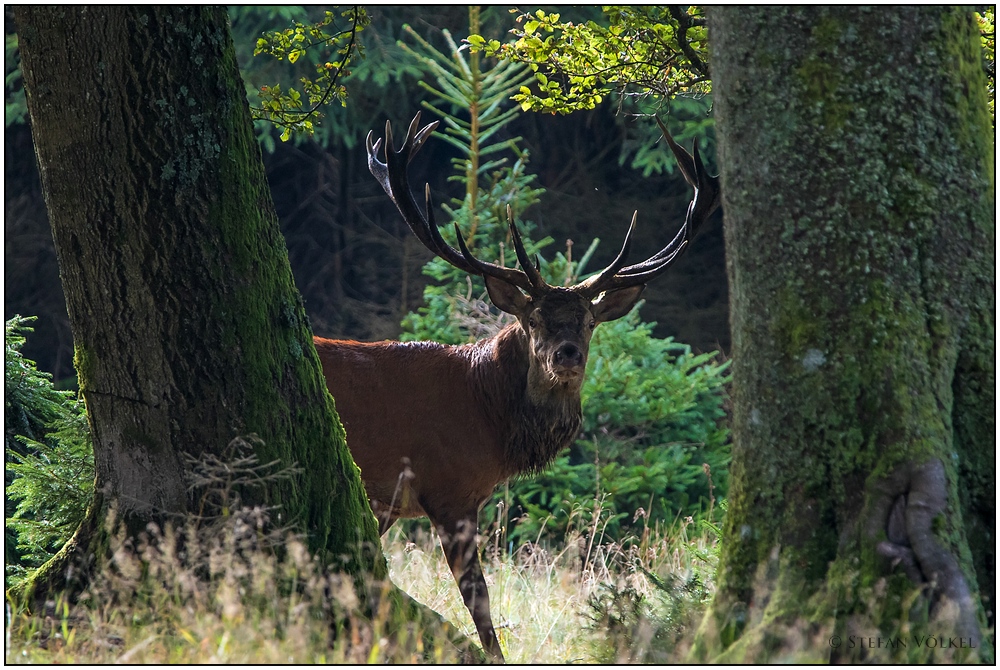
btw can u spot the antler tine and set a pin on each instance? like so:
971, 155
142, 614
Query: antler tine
392, 176
707, 197
694, 173
415, 138
511, 276
684, 160
673, 245
708, 194
597, 283
699, 209
643, 273
390, 145
435, 241
530, 270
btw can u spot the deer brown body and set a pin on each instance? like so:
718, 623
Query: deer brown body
391, 425
434, 428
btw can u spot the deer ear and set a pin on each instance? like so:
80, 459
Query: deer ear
505, 295
616, 303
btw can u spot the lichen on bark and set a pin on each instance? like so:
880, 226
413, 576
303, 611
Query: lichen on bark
189, 329
857, 192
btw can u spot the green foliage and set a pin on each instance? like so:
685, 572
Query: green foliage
641, 57
651, 408
651, 422
469, 89
659, 51
50, 469
988, 35
639, 628
373, 82
331, 48
464, 85
31, 404
15, 106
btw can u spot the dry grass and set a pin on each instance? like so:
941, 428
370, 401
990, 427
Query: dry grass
184, 597
540, 599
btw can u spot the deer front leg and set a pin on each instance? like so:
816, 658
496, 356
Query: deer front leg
458, 539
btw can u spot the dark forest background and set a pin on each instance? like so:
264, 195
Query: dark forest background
355, 262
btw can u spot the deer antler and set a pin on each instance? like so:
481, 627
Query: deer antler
392, 176
707, 197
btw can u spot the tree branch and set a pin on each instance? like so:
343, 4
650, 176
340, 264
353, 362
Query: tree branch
686, 22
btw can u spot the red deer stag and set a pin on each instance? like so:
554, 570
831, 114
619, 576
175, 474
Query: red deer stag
435, 428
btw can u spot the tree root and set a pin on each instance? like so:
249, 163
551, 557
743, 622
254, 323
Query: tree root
911, 498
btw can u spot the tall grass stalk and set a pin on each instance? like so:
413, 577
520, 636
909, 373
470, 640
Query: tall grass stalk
542, 597
178, 596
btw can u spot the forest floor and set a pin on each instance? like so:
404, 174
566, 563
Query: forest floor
580, 603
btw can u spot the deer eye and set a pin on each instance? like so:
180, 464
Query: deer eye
531, 323
593, 323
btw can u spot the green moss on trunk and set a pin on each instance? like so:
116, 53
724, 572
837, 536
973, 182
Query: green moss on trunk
189, 329
857, 189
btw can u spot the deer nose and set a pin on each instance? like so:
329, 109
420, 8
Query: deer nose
568, 355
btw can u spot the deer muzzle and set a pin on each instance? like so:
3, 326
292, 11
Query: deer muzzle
568, 362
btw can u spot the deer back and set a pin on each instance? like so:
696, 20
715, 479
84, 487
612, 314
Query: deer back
427, 420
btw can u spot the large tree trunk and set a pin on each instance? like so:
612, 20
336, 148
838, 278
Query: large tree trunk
858, 181
189, 330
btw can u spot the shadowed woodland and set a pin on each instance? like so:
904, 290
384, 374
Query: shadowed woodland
356, 264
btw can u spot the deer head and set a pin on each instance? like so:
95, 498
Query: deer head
558, 321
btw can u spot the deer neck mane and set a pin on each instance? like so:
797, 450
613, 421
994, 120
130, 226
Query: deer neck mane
533, 419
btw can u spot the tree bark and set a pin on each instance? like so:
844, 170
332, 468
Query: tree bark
858, 187
188, 328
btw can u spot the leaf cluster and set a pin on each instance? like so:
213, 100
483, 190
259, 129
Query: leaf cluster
49, 478
331, 46
635, 51
988, 37
373, 82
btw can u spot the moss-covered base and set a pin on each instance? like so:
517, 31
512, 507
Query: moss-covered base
850, 619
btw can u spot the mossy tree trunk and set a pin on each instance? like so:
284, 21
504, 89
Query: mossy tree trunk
189, 330
858, 184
